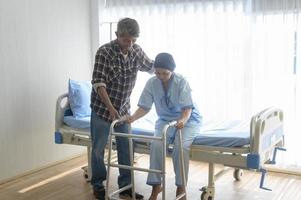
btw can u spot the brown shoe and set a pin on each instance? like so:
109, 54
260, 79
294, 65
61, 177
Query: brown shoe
99, 194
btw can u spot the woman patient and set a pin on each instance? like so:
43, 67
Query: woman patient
171, 94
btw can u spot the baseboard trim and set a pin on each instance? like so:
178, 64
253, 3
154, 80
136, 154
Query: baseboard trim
13, 178
281, 170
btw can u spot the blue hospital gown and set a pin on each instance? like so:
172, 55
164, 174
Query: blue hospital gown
169, 104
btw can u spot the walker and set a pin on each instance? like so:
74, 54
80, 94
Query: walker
110, 196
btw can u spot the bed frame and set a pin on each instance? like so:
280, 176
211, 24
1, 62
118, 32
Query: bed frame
266, 137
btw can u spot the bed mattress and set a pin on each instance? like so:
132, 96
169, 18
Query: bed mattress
232, 133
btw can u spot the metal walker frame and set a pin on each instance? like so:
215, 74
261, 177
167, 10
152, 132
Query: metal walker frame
132, 168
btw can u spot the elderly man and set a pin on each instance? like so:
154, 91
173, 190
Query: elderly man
113, 79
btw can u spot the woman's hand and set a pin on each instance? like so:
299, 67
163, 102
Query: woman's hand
130, 119
180, 123
184, 118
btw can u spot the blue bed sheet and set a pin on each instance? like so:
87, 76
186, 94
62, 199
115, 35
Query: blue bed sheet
222, 134
144, 126
223, 139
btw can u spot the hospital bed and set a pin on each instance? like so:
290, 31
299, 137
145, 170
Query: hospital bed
241, 148
235, 144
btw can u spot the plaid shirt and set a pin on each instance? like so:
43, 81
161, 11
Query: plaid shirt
118, 75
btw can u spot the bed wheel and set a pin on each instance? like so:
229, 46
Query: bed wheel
237, 174
85, 173
206, 196
86, 176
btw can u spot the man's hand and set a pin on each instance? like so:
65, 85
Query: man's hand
114, 113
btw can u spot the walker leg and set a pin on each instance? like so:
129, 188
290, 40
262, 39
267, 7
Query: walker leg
182, 164
164, 167
132, 164
89, 170
109, 165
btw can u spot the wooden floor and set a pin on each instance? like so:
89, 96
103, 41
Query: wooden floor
65, 181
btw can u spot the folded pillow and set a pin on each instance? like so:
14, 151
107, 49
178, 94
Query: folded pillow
79, 98
81, 123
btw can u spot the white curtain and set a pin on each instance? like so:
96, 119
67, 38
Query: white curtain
203, 37
275, 41
238, 55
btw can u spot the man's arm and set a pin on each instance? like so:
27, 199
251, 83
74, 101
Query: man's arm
146, 64
102, 92
99, 80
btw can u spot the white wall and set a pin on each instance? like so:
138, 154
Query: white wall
42, 44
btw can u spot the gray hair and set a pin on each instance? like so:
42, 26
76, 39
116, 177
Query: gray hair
128, 26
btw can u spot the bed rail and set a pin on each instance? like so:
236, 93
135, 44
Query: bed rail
60, 110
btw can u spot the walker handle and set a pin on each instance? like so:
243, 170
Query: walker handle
119, 120
122, 119
172, 123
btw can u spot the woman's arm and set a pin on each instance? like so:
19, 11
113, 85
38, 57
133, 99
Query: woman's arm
140, 112
184, 118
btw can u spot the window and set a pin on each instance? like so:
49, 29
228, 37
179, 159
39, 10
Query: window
239, 56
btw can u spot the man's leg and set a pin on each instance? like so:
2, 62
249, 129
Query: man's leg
99, 137
123, 154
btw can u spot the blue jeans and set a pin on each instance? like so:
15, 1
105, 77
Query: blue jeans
99, 134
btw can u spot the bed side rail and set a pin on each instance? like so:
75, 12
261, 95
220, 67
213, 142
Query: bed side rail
266, 123
61, 107
266, 133
266, 136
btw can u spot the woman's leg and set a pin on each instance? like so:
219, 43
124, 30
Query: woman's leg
155, 162
155, 191
180, 190
154, 179
188, 134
